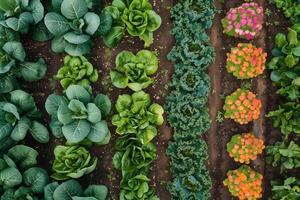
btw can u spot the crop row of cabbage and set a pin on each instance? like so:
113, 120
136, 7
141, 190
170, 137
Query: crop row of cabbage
186, 107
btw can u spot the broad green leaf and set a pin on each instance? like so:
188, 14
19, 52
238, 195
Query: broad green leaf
75, 38
11, 108
41, 33
7, 35
67, 190
106, 22
36, 178
56, 24
114, 36
33, 71
5, 129
37, 10
290, 61
20, 130
49, 190
124, 102
76, 131
64, 114
39, 132
154, 21
23, 100
147, 37
280, 40
77, 106
8, 5
7, 84
292, 37
78, 49
23, 155
94, 113
119, 80
10, 177
79, 93
103, 103
56, 127
58, 44
296, 81
56, 4
99, 132
92, 21
53, 102
15, 50
100, 192
20, 24
74, 9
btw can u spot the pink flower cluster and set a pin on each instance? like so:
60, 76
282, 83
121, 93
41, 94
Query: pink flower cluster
244, 21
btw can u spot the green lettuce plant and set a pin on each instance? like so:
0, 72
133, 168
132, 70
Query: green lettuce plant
136, 114
72, 162
18, 15
289, 188
19, 176
72, 190
290, 8
73, 23
137, 17
134, 159
77, 70
19, 116
133, 70
13, 66
78, 116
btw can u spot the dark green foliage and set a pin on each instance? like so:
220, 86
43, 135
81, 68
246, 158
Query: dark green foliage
289, 189
290, 8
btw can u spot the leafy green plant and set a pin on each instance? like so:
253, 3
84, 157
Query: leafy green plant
289, 189
78, 116
72, 190
284, 156
72, 162
137, 115
286, 117
77, 70
290, 8
19, 176
134, 159
18, 15
133, 70
18, 116
73, 23
135, 16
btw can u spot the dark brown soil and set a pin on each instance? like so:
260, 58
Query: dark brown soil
222, 85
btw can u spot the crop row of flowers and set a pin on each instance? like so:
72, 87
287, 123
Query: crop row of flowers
186, 108
245, 61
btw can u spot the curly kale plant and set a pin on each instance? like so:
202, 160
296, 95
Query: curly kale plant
78, 116
133, 70
135, 16
72, 190
18, 15
73, 24
19, 176
72, 162
14, 66
192, 181
77, 70
134, 159
18, 116
137, 115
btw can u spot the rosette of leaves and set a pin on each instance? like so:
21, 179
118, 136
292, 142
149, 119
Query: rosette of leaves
284, 64
19, 116
135, 16
187, 114
133, 71
18, 15
19, 176
77, 70
282, 155
78, 116
73, 23
137, 115
286, 117
7, 35
288, 188
14, 66
72, 190
72, 162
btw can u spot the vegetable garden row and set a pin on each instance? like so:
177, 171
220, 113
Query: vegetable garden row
147, 100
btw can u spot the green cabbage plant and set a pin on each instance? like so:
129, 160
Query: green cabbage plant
18, 116
77, 70
14, 66
136, 114
73, 23
19, 176
135, 16
72, 162
78, 116
133, 70
18, 15
72, 190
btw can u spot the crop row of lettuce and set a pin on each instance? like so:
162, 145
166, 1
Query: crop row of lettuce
186, 107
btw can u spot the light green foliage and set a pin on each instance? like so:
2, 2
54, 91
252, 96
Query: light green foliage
133, 70
137, 115
290, 8
72, 190
289, 189
73, 23
19, 178
20, 14
78, 116
134, 159
72, 162
77, 70
137, 17
18, 116
284, 156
